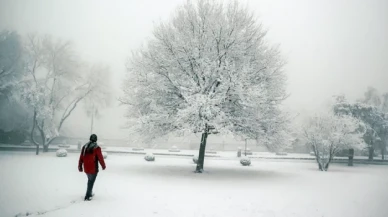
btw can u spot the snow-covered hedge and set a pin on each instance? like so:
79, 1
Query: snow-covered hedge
248, 152
211, 151
105, 154
245, 161
174, 149
149, 157
61, 153
281, 153
64, 146
195, 159
138, 149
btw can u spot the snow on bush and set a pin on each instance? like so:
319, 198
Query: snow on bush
248, 151
211, 151
328, 133
245, 161
61, 153
138, 149
105, 154
281, 153
149, 157
195, 159
64, 146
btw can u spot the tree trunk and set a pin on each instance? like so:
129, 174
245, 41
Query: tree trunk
45, 145
245, 147
91, 125
201, 155
317, 158
37, 150
320, 166
351, 156
371, 152
328, 163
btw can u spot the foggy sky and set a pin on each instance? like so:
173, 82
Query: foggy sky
332, 46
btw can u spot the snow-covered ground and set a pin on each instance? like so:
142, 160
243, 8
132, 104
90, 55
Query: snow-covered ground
130, 186
220, 154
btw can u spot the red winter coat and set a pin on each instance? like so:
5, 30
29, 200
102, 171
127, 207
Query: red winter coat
89, 158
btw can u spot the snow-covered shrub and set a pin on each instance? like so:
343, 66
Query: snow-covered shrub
312, 153
248, 151
64, 146
245, 161
174, 149
149, 157
105, 154
211, 151
27, 143
328, 133
195, 159
138, 149
61, 153
281, 153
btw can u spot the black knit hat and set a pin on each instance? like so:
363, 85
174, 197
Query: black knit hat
93, 138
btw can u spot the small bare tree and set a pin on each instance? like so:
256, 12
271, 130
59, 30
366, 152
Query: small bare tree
53, 87
101, 97
207, 70
328, 133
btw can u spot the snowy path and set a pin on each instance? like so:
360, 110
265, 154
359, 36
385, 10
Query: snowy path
167, 187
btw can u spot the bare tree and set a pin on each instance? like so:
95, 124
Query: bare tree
101, 97
207, 70
53, 87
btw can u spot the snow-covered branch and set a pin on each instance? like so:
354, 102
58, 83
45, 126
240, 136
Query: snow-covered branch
209, 65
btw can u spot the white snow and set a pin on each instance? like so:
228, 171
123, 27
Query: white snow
168, 188
61, 153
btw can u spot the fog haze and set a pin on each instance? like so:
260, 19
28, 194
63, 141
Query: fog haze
331, 47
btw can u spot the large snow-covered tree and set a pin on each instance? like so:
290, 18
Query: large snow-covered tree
54, 85
371, 110
207, 70
10, 61
12, 111
327, 134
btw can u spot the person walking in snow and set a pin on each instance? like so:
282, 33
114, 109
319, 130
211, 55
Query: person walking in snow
89, 158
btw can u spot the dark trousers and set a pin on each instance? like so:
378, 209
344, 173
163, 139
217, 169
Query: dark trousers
91, 180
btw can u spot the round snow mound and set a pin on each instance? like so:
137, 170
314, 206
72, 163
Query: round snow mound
104, 154
61, 153
245, 161
195, 159
149, 157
